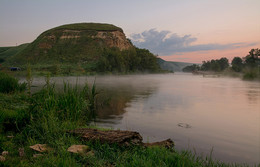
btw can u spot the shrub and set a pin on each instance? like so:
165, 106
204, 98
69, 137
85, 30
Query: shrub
251, 73
9, 84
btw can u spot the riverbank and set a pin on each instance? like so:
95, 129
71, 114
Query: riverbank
248, 74
45, 117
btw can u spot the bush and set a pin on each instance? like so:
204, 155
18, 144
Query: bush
9, 84
250, 75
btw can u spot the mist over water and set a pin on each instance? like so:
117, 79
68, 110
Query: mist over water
196, 113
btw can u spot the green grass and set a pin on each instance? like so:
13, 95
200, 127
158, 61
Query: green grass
6, 52
2, 49
9, 84
89, 26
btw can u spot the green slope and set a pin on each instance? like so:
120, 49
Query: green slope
8, 52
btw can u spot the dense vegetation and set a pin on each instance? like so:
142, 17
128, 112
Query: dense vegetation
248, 65
45, 116
133, 60
10, 84
191, 68
215, 65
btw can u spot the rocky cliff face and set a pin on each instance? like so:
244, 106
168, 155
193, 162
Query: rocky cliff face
110, 39
114, 39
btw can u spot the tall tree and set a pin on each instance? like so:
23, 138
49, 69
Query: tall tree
253, 58
223, 63
237, 64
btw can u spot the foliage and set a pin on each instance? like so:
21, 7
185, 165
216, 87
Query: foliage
2, 60
249, 65
55, 69
215, 65
251, 73
9, 84
70, 104
29, 78
13, 113
252, 60
191, 68
237, 64
127, 61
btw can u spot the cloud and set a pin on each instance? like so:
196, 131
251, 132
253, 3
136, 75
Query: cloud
165, 43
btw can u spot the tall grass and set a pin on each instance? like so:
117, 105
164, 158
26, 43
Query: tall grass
73, 103
9, 84
29, 78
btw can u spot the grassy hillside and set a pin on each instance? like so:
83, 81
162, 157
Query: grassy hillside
2, 49
172, 66
7, 52
80, 47
85, 47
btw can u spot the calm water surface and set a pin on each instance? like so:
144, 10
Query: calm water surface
196, 112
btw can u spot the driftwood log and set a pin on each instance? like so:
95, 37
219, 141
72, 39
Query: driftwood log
120, 137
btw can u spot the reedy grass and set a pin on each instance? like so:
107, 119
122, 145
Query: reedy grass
9, 84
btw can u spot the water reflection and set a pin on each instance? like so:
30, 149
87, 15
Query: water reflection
113, 101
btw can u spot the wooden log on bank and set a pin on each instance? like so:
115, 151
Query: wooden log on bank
120, 137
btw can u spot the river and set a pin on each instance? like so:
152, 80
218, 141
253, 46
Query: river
198, 113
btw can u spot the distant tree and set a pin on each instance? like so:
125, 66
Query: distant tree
237, 64
114, 60
205, 66
253, 58
191, 68
215, 65
223, 63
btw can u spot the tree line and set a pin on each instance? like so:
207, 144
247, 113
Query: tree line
238, 64
132, 60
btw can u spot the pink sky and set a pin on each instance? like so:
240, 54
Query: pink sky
199, 56
213, 27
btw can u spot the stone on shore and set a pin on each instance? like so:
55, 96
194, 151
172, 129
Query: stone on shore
40, 148
80, 149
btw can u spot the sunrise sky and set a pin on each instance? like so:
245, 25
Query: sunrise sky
176, 30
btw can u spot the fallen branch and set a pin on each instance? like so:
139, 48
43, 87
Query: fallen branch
120, 137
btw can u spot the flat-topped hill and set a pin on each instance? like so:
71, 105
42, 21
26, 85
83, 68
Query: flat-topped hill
94, 46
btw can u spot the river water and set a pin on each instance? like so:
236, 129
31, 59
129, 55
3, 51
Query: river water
198, 113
